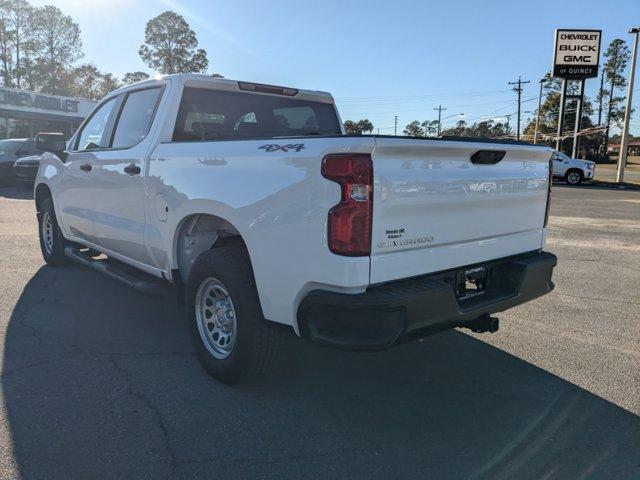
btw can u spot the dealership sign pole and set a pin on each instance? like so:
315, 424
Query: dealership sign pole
576, 56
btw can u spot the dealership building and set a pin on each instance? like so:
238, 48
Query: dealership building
24, 113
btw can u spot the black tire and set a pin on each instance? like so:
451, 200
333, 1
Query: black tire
53, 253
255, 337
574, 177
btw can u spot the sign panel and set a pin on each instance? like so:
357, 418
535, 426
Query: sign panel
26, 101
576, 53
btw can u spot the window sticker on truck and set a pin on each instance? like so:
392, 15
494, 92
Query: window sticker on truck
274, 147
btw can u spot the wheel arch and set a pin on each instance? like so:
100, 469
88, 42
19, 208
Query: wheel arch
198, 232
42, 191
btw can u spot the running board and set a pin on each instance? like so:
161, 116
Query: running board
140, 281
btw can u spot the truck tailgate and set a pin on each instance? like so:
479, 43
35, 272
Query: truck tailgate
434, 209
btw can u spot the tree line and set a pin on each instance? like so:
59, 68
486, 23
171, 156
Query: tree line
40, 49
610, 112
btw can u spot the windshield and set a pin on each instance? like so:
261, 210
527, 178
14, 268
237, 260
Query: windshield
8, 146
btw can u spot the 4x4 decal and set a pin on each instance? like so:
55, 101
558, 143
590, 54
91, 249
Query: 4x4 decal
274, 147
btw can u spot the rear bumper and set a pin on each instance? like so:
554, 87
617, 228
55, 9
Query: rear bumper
398, 311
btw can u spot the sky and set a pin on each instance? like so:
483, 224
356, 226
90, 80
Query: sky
378, 58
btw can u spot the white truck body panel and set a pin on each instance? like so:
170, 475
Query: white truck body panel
452, 212
278, 202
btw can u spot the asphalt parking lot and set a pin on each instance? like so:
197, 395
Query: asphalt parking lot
100, 382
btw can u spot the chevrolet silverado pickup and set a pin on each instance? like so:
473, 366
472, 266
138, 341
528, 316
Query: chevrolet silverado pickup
254, 207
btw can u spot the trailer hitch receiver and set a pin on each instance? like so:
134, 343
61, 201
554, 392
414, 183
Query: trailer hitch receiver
484, 323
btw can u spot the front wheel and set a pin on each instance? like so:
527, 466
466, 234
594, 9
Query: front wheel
52, 241
231, 337
573, 177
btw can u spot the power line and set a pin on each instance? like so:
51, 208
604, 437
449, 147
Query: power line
428, 96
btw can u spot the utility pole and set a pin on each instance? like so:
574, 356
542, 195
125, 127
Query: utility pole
613, 82
535, 133
439, 108
395, 126
518, 90
508, 120
600, 98
622, 159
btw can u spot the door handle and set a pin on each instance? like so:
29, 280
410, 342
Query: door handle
86, 167
132, 169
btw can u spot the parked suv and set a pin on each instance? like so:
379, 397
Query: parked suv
572, 170
254, 205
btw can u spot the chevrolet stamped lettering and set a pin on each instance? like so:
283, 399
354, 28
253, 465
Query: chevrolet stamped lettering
405, 242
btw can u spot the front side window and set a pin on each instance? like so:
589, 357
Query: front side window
136, 117
93, 135
206, 114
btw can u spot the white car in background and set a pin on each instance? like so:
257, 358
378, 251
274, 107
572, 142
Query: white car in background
572, 170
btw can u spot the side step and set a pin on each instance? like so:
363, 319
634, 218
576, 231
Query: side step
140, 281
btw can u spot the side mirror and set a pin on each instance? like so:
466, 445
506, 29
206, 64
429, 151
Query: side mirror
52, 142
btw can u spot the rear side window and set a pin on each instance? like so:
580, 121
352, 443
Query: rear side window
206, 114
135, 117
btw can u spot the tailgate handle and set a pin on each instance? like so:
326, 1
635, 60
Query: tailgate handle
487, 157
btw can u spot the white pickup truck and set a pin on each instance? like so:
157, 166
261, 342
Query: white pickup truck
572, 170
252, 202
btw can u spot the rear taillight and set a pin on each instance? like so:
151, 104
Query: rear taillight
546, 212
349, 222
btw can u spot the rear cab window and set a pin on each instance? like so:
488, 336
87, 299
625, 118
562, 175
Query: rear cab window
206, 114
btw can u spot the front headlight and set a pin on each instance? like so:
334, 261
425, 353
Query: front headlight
589, 166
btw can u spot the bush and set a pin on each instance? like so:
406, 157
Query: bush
600, 158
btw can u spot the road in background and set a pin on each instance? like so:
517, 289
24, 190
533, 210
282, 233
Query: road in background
100, 382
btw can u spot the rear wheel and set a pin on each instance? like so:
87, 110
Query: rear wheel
52, 241
573, 177
231, 337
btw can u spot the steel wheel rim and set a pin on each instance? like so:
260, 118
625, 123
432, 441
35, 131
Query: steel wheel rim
216, 318
47, 232
573, 177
